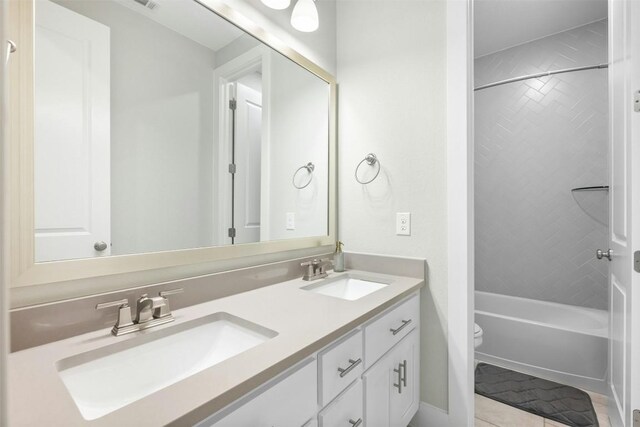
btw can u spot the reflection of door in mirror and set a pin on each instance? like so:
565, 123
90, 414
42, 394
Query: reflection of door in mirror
137, 149
242, 146
71, 145
246, 152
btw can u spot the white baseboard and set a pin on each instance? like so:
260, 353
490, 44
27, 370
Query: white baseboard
430, 416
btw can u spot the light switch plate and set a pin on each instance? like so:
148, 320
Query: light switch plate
403, 224
291, 220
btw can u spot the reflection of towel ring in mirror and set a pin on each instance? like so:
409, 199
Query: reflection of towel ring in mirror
371, 160
309, 167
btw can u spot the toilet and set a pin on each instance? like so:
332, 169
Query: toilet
477, 340
477, 335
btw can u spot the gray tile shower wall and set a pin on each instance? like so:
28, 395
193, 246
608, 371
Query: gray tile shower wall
535, 141
585, 45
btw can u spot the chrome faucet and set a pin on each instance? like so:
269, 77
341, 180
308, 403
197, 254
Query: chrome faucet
150, 312
316, 269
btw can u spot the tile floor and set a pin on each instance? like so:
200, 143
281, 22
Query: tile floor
490, 413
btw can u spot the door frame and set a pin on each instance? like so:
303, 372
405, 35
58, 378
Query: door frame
4, 243
635, 207
632, 129
460, 205
223, 77
460, 257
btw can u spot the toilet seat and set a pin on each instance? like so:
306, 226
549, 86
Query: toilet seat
477, 335
477, 330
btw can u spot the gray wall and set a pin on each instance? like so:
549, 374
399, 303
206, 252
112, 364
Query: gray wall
392, 77
535, 140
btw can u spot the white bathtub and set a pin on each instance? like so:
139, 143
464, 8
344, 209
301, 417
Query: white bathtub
559, 342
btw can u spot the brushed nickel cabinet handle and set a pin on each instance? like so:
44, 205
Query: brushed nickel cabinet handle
403, 366
355, 423
399, 372
401, 327
345, 371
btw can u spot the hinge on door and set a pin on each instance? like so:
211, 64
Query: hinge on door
232, 104
232, 232
232, 168
636, 418
636, 262
636, 101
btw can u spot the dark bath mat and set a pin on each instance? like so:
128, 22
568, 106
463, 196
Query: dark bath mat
557, 402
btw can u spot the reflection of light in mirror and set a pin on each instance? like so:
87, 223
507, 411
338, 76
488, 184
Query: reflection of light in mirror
277, 4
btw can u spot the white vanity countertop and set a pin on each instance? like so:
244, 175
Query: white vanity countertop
305, 322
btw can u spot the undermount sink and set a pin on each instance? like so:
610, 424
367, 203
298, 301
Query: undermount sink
107, 379
346, 287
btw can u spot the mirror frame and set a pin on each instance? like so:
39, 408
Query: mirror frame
23, 269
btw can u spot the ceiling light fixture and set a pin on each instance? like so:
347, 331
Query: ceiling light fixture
277, 4
305, 16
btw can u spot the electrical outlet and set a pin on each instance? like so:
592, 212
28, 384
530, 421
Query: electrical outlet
291, 220
403, 224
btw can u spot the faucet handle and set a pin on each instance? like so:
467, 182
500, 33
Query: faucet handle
124, 314
324, 263
311, 269
161, 303
119, 303
165, 294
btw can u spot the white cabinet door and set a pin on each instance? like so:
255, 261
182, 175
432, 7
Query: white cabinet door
392, 385
405, 370
72, 135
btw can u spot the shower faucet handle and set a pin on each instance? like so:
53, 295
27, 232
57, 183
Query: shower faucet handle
604, 254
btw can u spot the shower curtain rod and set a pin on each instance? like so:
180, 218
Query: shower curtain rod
544, 74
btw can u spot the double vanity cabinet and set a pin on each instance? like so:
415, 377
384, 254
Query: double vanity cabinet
338, 351
370, 376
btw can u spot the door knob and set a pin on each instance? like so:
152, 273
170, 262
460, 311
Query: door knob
100, 246
604, 254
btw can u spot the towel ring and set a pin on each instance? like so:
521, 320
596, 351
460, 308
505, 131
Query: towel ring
309, 167
371, 160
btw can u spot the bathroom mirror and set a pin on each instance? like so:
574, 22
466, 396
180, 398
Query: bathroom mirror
163, 134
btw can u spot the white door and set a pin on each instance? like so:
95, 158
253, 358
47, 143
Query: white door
624, 211
72, 135
248, 147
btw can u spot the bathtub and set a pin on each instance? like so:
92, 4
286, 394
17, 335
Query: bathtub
562, 343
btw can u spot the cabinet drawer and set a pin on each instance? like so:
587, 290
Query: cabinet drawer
289, 401
340, 365
388, 329
346, 410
